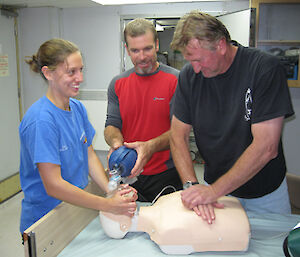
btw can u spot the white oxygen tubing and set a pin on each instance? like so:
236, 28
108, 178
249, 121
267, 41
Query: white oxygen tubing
158, 195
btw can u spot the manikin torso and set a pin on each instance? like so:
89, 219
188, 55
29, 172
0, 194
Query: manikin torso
178, 230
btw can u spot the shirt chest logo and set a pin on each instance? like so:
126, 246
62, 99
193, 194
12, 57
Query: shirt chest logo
158, 98
248, 105
63, 148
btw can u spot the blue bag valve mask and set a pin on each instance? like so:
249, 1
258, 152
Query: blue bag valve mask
123, 159
120, 163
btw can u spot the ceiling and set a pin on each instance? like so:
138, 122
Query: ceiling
48, 3
166, 23
56, 3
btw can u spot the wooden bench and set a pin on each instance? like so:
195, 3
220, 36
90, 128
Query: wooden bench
53, 232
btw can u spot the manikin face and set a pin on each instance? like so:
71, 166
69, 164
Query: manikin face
142, 51
202, 59
66, 78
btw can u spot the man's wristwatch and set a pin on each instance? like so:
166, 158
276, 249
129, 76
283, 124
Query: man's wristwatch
189, 184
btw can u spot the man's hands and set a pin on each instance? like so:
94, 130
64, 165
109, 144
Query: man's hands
144, 149
144, 153
202, 199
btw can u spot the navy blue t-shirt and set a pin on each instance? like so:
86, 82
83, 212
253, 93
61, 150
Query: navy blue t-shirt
222, 109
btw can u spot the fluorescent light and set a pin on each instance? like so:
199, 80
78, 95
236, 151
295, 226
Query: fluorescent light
120, 2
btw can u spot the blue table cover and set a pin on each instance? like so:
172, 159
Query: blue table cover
267, 234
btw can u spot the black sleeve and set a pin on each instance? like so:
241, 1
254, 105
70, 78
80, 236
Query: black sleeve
271, 97
181, 103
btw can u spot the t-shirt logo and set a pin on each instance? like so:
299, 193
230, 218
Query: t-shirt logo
158, 98
63, 148
248, 105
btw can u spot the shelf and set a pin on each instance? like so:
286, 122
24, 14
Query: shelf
278, 42
293, 83
274, 26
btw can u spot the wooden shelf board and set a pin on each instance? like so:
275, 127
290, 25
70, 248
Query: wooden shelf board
293, 83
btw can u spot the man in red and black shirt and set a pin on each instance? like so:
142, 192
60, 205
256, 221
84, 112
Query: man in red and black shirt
138, 113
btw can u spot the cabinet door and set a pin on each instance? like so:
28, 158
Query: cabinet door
238, 25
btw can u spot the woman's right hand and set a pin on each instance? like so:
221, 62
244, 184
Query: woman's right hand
123, 201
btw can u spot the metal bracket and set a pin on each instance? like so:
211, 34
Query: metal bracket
32, 244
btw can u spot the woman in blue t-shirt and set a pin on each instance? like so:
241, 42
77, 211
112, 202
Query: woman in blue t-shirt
56, 142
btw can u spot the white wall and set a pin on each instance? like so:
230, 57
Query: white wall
9, 111
291, 135
36, 25
97, 32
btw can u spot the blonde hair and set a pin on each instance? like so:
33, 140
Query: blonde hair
202, 26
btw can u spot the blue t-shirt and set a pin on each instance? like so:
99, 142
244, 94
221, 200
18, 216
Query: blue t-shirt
51, 135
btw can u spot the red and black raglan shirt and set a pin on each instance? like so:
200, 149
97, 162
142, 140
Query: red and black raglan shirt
140, 106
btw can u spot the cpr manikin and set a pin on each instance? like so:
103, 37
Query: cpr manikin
178, 230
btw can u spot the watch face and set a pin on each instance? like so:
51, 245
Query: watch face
189, 184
